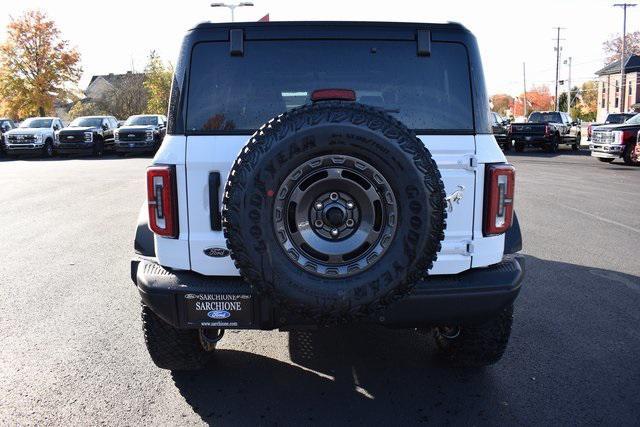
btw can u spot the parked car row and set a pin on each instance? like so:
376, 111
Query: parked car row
47, 136
543, 129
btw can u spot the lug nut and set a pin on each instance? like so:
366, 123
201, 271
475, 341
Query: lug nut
319, 206
349, 205
334, 232
333, 196
349, 223
318, 223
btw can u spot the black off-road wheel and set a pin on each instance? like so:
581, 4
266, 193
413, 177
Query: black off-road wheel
171, 348
475, 345
334, 210
630, 155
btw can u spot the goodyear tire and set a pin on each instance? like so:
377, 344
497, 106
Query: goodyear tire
171, 348
334, 210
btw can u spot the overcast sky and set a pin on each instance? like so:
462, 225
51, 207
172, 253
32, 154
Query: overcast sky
114, 36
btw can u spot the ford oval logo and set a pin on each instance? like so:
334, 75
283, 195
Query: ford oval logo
216, 252
218, 314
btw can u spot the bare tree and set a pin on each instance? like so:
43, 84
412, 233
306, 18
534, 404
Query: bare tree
127, 97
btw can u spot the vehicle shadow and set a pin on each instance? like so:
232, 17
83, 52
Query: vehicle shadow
375, 375
63, 158
537, 152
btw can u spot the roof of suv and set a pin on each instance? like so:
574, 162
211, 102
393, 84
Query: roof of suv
275, 24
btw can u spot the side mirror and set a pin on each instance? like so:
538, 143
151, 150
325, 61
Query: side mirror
5, 128
105, 126
56, 127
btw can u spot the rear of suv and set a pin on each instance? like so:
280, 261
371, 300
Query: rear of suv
323, 173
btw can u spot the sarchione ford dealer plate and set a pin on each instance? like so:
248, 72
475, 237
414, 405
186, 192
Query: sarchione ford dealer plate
223, 310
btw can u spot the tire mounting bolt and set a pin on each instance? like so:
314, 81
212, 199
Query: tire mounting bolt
349, 205
318, 206
333, 196
334, 232
318, 223
349, 223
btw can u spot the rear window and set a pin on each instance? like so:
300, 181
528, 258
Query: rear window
545, 118
238, 94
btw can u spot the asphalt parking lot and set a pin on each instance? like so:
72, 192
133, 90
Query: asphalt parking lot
72, 351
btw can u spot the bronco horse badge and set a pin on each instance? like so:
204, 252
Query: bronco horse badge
455, 197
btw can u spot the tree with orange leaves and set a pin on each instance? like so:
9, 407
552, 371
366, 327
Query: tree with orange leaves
539, 98
36, 66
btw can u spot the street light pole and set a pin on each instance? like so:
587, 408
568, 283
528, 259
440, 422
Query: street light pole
232, 7
557, 62
623, 94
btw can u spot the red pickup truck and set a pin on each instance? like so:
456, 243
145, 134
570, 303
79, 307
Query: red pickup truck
612, 119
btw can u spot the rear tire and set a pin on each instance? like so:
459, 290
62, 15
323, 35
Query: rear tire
171, 348
98, 148
476, 345
603, 160
506, 146
519, 146
552, 146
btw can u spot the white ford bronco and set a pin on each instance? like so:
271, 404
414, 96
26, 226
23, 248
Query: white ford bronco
322, 173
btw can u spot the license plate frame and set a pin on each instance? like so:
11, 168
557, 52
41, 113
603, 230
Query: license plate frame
219, 310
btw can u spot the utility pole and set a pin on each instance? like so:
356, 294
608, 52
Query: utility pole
557, 61
524, 82
623, 94
568, 62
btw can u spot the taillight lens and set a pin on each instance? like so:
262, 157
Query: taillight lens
161, 196
509, 128
547, 130
499, 193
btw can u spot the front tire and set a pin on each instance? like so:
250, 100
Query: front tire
98, 148
476, 345
519, 146
630, 155
576, 146
171, 348
47, 150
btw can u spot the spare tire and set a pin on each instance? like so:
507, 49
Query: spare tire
334, 209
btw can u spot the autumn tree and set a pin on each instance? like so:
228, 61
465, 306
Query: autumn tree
613, 48
501, 103
562, 99
588, 104
538, 99
37, 66
87, 108
158, 84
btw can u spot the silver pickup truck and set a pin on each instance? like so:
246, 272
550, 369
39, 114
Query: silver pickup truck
33, 136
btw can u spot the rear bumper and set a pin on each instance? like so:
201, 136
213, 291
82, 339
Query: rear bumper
530, 139
470, 296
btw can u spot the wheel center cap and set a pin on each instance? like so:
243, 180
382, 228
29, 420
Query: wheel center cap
334, 216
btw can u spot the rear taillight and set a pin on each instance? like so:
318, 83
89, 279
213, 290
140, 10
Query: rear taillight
547, 130
161, 196
499, 192
509, 129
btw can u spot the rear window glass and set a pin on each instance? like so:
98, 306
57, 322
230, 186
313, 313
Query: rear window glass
231, 93
545, 117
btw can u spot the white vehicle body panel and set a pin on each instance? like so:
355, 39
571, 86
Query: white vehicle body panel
196, 157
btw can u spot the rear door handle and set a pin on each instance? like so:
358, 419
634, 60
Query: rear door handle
214, 201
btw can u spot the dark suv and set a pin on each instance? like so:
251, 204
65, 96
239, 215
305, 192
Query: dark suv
87, 135
306, 180
141, 134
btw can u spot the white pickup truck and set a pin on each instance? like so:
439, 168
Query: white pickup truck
35, 135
